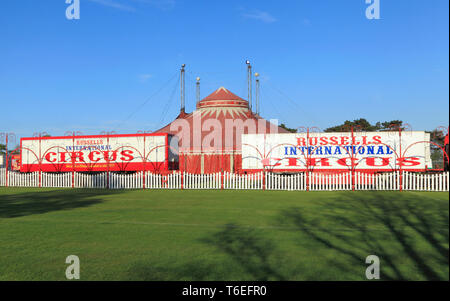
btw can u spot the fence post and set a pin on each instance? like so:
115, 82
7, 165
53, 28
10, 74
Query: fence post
401, 159
107, 163
182, 180
264, 179
353, 178
307, 159
221, 179
6, 170
307, 180
143, 178
6, 151
353, 163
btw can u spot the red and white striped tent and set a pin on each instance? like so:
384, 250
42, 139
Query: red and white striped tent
218, 110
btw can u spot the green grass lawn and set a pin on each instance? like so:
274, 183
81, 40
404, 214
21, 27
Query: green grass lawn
222, 235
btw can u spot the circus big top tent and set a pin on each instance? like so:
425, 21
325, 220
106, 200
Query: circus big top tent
210, 137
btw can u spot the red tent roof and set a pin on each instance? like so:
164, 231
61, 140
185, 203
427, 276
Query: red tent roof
220, 107
222, 94
222, 98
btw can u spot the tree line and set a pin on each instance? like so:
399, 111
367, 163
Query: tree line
362, 124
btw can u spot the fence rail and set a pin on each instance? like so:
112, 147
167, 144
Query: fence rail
307, 181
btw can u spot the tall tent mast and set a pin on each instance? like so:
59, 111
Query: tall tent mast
257, 93
182, 108
249, 83
198, 89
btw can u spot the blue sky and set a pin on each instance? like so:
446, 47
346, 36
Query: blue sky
321, 62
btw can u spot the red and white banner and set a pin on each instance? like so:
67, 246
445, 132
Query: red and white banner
409, 150
99, 153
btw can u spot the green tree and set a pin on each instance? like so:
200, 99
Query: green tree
16, 150
438, 136
283, 126
437, 156
362, 124
392, 125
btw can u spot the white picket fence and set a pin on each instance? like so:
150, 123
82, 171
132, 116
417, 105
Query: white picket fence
314, 181
245, 181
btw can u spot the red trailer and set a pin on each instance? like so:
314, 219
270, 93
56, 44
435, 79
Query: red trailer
446, 156
129, 152
15, 162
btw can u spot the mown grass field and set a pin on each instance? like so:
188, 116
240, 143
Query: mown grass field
222, 235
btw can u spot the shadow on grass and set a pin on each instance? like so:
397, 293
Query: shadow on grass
245, 246
38, 202
157, 271
408, 235
247, 255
